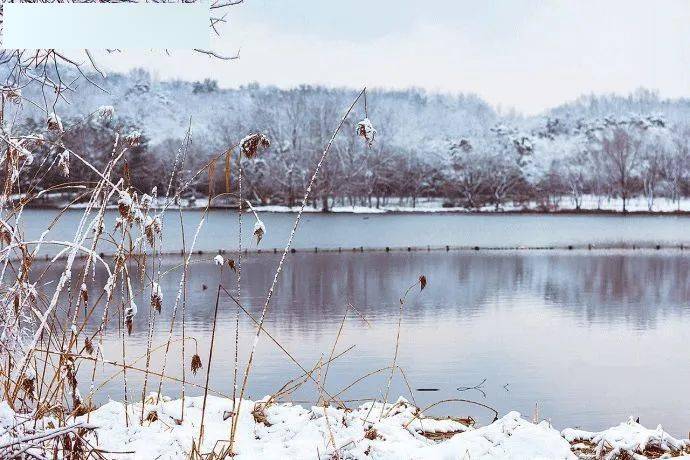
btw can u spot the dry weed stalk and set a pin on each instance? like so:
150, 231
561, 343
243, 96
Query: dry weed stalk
422, 284
47, 338
279, 269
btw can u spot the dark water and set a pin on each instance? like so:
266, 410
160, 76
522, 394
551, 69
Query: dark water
393, 230
590, 337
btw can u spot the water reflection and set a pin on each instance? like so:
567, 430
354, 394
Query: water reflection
592, 337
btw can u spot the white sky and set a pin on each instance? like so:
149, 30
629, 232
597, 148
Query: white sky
528, 55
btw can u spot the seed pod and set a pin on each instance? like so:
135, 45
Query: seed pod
259, 231
253, 144
124, 205
28, 385
124, 209
133, 139
196, 363
63, 162
152, 227
84, 294
366, 131
130, 313
14, 95
156, 301
5, 236
88, 346
54, 123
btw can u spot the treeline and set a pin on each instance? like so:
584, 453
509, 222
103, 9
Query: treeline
452, 147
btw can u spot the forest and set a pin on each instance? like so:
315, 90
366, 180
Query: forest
455, 148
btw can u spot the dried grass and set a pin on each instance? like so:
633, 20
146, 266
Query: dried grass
47, 338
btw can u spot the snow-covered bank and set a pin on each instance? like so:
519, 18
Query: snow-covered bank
588, 203
281, 431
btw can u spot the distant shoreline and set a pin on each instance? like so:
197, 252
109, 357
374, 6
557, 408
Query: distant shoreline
564, 205
393, 211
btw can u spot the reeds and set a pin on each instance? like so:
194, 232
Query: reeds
51, 330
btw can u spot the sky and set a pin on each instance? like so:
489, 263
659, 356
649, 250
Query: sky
518, 54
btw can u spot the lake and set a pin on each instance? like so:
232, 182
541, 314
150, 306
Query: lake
330, 231
586, 338
589, 338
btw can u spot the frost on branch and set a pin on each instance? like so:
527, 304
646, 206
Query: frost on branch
109, 285
367, 131
254, 144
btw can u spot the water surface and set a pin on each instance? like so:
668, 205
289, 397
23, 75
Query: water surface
331, 231
588, 337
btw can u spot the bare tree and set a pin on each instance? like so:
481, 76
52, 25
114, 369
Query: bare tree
678, 163
45, 67
621, 147
468, 174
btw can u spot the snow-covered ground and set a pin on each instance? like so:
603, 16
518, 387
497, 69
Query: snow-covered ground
371, 431
589, 203
423, 205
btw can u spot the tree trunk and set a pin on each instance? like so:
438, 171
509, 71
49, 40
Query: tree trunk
624, 199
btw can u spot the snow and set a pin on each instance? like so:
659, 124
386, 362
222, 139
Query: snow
105, 112
54, 122
629, 437
345, 209
63, 162
426, 205
133, 137
423, 205
156, 296
253, 144
366, 130
284, 430
109, 285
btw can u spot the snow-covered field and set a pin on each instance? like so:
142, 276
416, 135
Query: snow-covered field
423, 205
589, 203
371, 431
